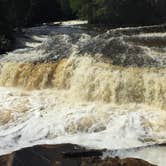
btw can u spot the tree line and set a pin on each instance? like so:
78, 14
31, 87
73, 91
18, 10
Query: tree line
121, 12
15, 14
21, 13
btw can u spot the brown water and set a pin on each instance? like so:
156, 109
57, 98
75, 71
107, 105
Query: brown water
97, 90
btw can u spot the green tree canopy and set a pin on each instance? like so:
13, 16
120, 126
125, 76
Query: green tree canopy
121, 12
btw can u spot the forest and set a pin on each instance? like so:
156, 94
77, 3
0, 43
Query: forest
16, 14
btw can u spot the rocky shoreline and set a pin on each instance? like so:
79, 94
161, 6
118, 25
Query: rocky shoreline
60, 155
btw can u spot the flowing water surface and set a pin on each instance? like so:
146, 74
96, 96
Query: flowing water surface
99, 89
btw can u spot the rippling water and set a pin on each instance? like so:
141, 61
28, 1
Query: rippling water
92, 88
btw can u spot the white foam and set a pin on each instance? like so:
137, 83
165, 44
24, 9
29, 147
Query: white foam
53, 118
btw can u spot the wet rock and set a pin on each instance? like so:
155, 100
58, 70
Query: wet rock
53, 155
7, 160
114, 162
139, 46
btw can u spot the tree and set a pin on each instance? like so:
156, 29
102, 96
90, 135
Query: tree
15, 14
121, 12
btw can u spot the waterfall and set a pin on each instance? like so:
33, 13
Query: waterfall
91, 79
99, 89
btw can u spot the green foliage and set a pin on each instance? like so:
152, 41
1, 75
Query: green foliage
121, 12
81, 7
65, 9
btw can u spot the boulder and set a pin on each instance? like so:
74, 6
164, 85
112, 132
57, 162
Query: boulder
60, 155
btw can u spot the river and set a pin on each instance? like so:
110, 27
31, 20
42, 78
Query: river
97, 88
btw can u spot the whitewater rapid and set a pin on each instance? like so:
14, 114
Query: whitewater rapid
70, 85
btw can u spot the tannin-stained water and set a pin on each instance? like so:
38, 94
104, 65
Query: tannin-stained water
90, 79
68, 90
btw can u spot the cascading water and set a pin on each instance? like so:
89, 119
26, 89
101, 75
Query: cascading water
104, 90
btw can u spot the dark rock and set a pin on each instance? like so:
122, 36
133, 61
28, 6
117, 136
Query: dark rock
7, 160
53, 155
114, 162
